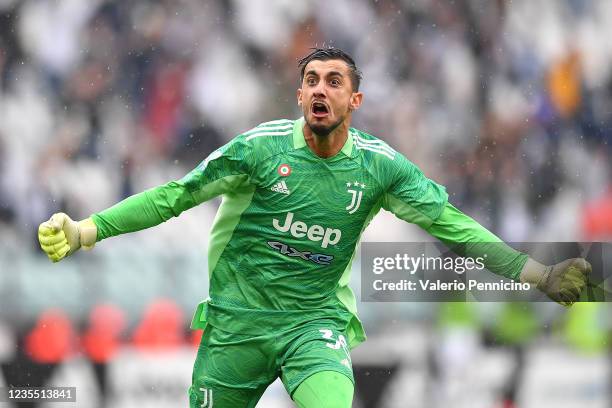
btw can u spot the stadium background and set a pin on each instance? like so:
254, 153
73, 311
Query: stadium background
507, 103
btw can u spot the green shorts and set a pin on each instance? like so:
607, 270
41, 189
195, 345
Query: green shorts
233, 370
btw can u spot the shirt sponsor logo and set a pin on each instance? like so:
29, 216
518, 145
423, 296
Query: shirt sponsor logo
315, 233
320, 259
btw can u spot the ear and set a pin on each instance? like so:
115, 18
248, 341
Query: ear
299, 96
356, 99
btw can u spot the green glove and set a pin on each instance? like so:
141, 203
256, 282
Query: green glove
61, 236
562, 282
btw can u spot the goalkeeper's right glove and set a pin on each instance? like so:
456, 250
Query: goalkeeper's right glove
61, 236
562, 282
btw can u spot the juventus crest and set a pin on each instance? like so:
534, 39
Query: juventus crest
207, 395
356, 194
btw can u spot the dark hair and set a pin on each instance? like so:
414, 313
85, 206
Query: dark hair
331, 53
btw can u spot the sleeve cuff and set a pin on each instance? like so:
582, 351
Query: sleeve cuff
89, 233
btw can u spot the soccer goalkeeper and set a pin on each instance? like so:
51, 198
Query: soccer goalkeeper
297, 195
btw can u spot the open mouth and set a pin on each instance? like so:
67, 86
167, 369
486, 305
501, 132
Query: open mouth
319, 109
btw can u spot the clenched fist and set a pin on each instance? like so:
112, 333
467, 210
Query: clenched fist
61, 236
564, 281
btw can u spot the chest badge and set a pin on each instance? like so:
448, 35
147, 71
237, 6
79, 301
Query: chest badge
356, 189
284, 170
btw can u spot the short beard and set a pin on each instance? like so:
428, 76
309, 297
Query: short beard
324, 131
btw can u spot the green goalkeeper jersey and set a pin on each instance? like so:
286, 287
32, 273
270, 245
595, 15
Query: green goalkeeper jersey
286, 232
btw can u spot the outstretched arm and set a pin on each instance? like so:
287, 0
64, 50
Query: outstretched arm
562, 282
225, 170
61, 236
144, 210
416, 199
466, 237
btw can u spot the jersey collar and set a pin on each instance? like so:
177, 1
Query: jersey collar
299, 141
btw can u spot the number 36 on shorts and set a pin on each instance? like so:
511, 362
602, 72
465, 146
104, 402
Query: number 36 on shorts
336, 344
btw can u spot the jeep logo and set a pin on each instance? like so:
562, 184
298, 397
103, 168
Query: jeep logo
299, 229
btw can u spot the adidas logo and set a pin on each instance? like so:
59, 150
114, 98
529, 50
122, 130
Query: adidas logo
281, 187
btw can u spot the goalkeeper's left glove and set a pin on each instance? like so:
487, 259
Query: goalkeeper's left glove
61, 236
562, 282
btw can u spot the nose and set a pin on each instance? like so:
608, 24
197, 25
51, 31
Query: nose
319, 91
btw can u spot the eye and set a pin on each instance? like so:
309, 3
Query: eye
334, 82
311, 81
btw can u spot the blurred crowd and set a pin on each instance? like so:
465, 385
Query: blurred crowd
507, 103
